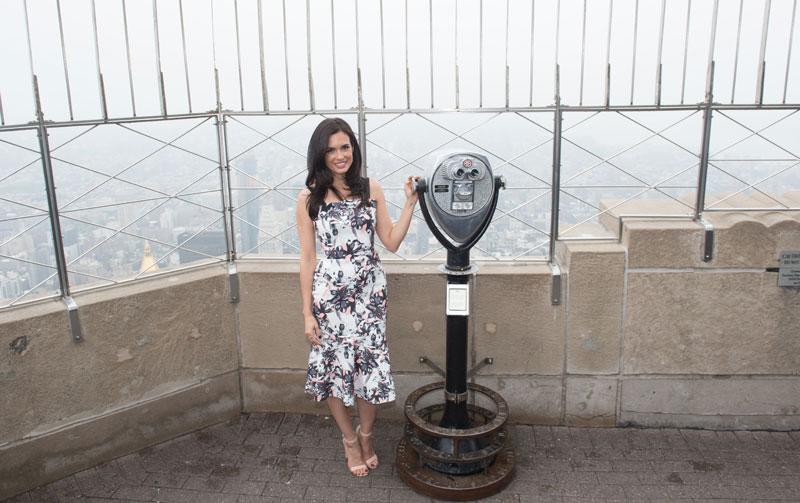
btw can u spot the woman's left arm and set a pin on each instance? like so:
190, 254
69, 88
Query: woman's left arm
392, 234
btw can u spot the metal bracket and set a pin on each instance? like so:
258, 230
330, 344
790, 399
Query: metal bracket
433, 366
474, 370
233, 278
455, 397
74, 321
555, 288
708, 240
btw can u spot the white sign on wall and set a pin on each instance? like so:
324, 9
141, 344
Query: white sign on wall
789, 271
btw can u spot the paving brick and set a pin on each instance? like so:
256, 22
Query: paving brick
249, 498
284, 490
236, 486
165, 480
369, 494
136, 493
310, 478
213, 484
170, 495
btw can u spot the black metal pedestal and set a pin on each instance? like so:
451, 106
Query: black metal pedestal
456, 450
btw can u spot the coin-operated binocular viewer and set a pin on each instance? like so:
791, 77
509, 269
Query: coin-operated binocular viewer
457, 450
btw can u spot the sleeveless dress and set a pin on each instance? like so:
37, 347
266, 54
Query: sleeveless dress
349, 304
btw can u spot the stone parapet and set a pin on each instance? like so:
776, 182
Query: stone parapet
595, 277
710, 322
725, 402
139, 341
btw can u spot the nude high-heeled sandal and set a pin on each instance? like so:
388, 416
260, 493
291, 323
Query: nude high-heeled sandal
360, 470
372, 462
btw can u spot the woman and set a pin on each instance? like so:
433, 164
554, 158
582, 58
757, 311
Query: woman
344, 294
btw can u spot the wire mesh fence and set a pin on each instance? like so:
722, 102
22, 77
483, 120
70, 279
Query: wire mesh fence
176, 131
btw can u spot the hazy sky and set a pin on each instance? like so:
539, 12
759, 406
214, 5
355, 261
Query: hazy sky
210, 43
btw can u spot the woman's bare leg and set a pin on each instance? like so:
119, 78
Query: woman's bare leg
367, 412
352, 449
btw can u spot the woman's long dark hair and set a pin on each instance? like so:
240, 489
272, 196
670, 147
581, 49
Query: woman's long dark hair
320, 179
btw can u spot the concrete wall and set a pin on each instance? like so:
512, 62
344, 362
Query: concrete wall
158, 359
646, 333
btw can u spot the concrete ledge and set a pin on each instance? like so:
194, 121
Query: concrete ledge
708, 322
269, 390
32, 462
140, 341
595, 284
719, 403
753, 239
531, 399
663, 243
591, 401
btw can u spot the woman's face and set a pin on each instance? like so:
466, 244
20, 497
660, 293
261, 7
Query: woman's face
339, 156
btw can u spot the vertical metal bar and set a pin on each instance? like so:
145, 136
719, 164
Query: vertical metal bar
762, 53
712, 41
185, 60
362, 125
64, 59
736, 54
583, 53
50, 187
238, 51
223, 167
530, 76
555, 186
685, 49
383, 62
558, 36
789, 52
455, 57
660, 51
30, 46
607, 90
508, 34
263, 70
333, 56
480, 57
162, 93
633, 55
308, 51
128, 55
285, 55
430, 43
358, 41
232, 230
702, 175
214, 55
100, 82
408, 72
2, 115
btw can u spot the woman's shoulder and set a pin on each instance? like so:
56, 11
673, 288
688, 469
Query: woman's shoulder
374, 187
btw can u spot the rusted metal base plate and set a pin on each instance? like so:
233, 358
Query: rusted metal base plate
454, 487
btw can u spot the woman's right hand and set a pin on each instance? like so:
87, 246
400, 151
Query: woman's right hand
312, 331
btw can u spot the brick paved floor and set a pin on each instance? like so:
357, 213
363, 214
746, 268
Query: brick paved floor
290, 457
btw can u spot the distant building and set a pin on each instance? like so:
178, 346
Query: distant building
250, 213
208, 242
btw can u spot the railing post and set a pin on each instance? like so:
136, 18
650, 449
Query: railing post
55, 221
362, 126
702, 176
555, 193
226, 195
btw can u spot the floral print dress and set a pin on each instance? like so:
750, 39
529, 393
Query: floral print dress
349, 303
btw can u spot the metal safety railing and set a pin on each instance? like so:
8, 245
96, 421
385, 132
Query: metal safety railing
529, 84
